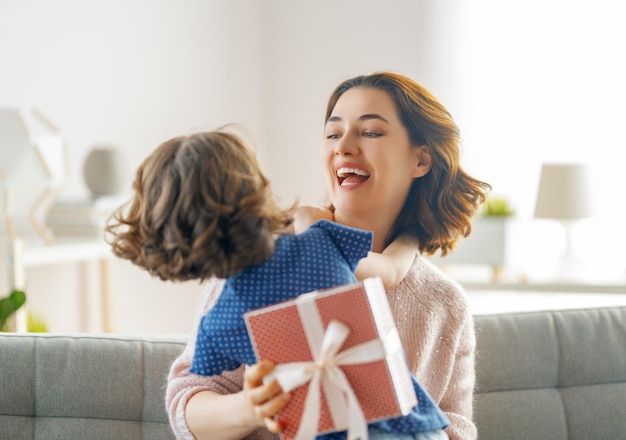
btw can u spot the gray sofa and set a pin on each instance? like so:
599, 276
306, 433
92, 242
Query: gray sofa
84, 386
552, 375
540, 375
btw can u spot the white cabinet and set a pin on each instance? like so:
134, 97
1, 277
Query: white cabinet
20, 257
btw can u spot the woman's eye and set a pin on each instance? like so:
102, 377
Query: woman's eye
371, 134
332, 136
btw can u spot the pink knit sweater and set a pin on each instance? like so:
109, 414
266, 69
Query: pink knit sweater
436, 330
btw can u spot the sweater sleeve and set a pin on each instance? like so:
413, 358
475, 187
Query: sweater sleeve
182, 384
457, 401
437, 332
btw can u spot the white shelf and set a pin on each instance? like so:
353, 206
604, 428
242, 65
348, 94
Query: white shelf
487, 298
547, 287
66, 251
492, 302
31, 254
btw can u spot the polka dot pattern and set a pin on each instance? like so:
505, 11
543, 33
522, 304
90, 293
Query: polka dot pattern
323, 256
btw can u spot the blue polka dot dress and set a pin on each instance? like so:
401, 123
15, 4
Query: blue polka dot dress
426, 416
323, 256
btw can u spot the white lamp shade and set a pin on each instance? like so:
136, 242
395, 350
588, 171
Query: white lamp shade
564, 192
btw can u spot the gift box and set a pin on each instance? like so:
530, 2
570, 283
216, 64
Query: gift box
339, 354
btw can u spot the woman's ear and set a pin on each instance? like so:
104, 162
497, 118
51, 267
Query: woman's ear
424, 161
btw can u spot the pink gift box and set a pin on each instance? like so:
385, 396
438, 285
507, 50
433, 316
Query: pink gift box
291, 333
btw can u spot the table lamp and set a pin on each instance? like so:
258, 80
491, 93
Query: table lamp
564, 194
32, 172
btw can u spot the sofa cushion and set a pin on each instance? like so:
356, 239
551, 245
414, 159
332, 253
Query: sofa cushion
85, 386
552, 375
541, 375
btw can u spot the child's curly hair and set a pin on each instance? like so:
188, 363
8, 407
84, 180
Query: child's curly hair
201, 208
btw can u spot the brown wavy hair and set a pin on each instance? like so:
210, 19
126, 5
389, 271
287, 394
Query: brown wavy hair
440, 205
201, 207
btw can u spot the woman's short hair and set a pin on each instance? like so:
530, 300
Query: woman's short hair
440, 205
201, 207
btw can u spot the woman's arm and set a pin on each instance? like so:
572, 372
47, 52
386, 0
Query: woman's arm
219, 407
214, 416
457, 402
305, 216
210, 416
392, 264
437, 332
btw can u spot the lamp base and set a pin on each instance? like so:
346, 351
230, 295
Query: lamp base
570, 267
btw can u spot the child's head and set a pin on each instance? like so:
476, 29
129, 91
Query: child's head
201, 207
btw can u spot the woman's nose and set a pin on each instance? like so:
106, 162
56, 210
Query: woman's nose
347, 144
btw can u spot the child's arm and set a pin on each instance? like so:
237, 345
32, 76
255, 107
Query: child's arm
305, 216
392, 264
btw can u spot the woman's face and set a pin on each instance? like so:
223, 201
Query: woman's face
369, 160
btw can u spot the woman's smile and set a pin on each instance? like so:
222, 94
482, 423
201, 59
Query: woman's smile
350, 175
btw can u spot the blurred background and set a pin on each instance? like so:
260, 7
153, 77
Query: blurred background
527, 82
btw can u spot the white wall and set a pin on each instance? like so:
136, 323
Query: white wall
527, 82
548, 86
132, 74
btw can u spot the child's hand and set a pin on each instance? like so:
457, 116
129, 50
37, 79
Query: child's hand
305, 216
266, 400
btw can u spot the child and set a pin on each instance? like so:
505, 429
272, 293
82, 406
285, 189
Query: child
203, 208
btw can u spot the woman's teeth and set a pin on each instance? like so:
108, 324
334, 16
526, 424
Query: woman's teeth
351, 176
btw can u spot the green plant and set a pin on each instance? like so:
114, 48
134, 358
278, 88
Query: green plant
9, 305
497, 206
35, 324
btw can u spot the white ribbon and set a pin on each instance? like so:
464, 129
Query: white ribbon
325, 372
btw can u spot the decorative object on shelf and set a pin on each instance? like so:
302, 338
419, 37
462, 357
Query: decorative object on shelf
85, 217
32, 170
103, 171
564, 195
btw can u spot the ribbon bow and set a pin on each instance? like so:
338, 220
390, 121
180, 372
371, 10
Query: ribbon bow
325, 372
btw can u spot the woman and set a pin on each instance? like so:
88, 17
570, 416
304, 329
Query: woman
391, 154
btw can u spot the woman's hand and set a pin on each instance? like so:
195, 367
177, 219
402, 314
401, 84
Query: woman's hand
213, 416
265, 400
305, 216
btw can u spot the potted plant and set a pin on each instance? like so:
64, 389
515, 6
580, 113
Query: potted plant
496, 207
486, 244
9, 305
